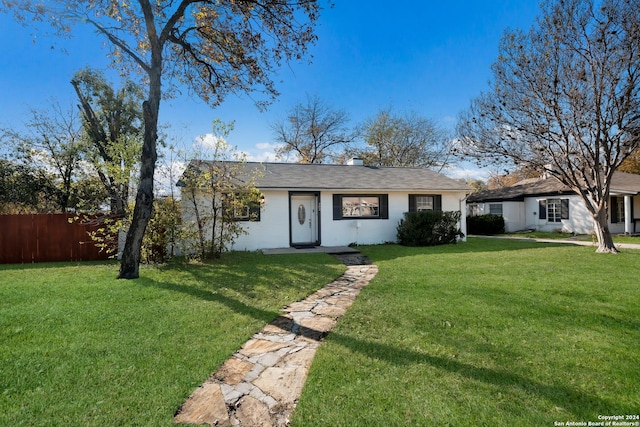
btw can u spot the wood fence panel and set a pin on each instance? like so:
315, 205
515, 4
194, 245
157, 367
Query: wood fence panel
46, 238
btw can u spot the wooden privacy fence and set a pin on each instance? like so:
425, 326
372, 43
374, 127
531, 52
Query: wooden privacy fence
46, 238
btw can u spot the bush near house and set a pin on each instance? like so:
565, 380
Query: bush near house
429, 228
485, 224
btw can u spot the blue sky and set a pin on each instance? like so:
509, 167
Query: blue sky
431, 57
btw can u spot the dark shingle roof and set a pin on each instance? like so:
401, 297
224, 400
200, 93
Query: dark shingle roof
625, 183
301, 176
620, 184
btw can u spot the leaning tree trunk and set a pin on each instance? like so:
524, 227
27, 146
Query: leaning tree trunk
601, 228
130, 262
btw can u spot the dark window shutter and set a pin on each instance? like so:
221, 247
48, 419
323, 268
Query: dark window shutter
412, 203
337, 206
564, 209
384, 206
254, 211
542, 208
613, 211
437, 202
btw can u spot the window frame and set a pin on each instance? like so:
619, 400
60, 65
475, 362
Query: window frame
383, 206
436, 202
496, 204
253, 209
558, 203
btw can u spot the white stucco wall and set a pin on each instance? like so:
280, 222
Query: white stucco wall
579, 221
272, 231
514, 218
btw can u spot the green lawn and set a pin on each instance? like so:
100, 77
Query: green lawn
617, 238
79, 348
490, 332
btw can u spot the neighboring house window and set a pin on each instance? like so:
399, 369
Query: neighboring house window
554, 210
364, 206
495, 208
617, 210
425, 202
474, 210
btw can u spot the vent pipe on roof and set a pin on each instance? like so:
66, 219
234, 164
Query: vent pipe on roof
355, 161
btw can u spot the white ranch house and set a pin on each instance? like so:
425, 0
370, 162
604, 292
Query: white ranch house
548, 205
338, 205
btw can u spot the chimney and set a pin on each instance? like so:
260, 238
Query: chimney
355, 161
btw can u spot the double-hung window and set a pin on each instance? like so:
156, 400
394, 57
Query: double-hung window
554, 210
425, 202
495, 208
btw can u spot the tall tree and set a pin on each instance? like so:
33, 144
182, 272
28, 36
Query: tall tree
407, 140
565, 100
112, 121
24, 189
51, 143
214, 47
315, 132
631, 163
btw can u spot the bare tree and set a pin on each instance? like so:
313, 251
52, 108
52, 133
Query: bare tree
315, 132
406, 140
565, 100
213, 47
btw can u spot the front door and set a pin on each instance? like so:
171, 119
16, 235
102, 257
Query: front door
304, 219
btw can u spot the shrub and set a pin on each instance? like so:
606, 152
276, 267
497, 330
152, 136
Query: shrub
429, 228
485, 224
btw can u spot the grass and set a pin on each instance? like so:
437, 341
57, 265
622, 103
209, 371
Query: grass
81, 348
544, 235
490, 332
617, 238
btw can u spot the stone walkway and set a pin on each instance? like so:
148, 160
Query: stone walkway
260, 384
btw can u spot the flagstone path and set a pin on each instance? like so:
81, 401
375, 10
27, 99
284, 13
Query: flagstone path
260, 384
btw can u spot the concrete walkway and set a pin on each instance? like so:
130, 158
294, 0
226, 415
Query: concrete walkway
565, 241
260, 384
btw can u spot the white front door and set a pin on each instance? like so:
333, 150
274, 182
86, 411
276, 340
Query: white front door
304, 219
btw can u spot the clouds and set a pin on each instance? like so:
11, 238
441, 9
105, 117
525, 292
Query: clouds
263, 152
466, 171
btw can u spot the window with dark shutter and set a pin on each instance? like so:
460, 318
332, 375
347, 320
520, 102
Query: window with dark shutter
425, 202
360, 206
564, 209
542, 209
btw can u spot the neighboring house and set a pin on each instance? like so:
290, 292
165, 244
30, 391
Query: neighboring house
336, 205
545, 204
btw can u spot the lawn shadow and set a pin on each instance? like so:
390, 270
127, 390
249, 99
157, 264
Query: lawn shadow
233, 304
215, 281
580, 404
